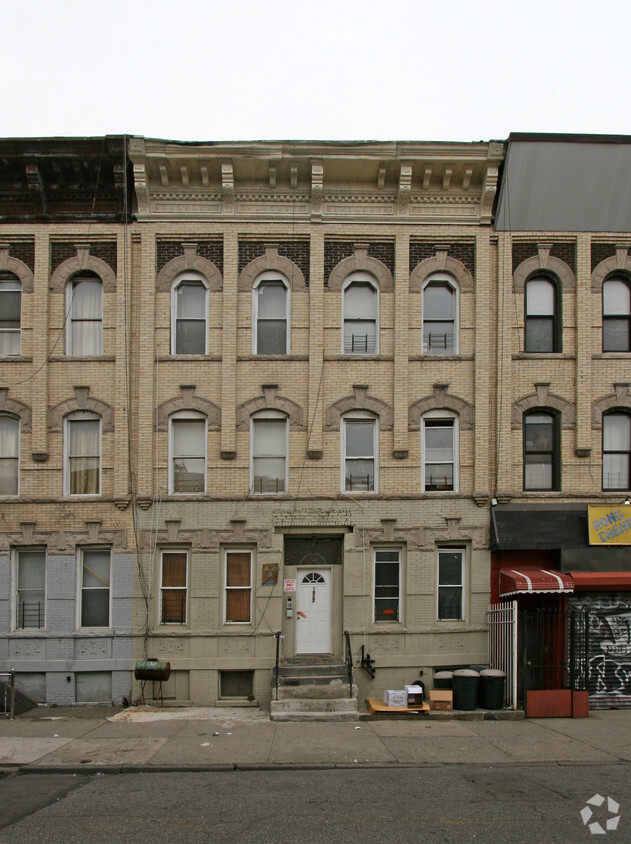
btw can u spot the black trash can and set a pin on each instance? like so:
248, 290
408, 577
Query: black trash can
492, 682
443, 680
466, 682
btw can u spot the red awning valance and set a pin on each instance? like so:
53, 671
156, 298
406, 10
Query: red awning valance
527, 580
602, 580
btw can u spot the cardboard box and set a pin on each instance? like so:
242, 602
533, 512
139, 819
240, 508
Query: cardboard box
441, 699
415, 695
395, 697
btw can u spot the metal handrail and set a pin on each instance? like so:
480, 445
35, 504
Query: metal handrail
10, 675
348, 659
278, 636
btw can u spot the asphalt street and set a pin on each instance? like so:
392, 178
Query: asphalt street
481, 803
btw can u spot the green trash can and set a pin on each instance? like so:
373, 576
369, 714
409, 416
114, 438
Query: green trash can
492, 682
466, 682
443, 680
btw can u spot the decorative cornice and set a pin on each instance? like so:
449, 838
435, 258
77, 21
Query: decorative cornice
544, 399
441, 400
546, 263
270, 400
271, 261
81, 262
361, 261
189, 260
360, 400
18, 268
81, 401
187, 400
16, 408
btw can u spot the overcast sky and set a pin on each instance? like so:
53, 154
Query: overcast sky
447, 70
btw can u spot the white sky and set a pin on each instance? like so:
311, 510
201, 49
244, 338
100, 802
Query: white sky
448, 70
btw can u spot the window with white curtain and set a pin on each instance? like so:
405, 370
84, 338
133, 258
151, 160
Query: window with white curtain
30, 592
270, 315
269, 452
359, 453
542, 323
189, 316
9, 455
84, 308
360, 307
439, 451
541, 451
187, 445
616, 451
10, 313
440, 316
95, 588
616, 315
82, 454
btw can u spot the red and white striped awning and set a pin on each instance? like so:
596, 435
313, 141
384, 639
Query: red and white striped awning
528, 580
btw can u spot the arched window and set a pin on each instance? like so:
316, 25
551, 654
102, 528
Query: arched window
9, 455
187, 452
10, 313
616, 315
269, 447
360, 453
541, 451
440, 316
84, 308
542, 318
82, 431
270, 315
189, 315
360, 308
439, 451
616, 451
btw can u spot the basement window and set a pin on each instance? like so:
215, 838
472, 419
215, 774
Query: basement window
236, 685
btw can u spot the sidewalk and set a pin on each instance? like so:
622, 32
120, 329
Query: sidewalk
147, 739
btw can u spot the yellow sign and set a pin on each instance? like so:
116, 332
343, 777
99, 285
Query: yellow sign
610, 525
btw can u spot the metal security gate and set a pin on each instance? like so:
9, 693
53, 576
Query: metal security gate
502, 621
551, 650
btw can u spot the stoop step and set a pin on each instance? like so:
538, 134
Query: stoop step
313, 689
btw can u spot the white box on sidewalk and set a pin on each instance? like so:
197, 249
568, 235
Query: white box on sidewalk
395, 697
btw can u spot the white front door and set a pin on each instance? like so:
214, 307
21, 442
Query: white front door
313, 611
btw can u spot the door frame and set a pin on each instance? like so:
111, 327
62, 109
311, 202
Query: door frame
327, 571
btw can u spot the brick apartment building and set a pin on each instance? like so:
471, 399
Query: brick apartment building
251, 388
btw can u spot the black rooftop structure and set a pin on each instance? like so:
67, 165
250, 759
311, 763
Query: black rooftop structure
65, 179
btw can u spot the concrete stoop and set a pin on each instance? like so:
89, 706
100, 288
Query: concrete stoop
313, 689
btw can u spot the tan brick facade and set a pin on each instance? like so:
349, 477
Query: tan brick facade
316, 216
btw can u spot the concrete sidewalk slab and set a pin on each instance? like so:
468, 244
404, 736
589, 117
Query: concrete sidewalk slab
609, 731
24, 751
444, 750
132, 729
115, 752
527, 741
420, 730
334, 742
66, 727
242, 745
